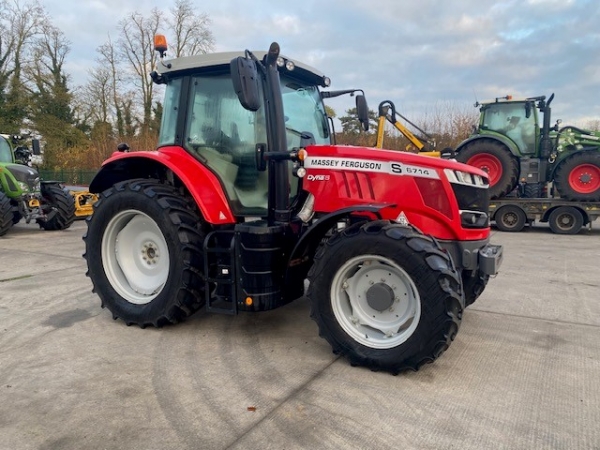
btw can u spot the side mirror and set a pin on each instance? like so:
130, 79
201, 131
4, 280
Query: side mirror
362, 111
527, 110
35, 147
245, 82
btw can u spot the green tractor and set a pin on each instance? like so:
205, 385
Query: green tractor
24, 196
523, 155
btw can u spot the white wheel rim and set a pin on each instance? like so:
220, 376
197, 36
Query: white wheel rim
135, 256
390, 323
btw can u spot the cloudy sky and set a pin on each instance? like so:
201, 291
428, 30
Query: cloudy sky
418, 53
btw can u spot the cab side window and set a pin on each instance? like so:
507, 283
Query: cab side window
224, 135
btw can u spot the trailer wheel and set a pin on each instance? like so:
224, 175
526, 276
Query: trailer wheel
495, 159
578, 177
510, 218
565, 220
60, 201
6, 215
143, 252
385, 296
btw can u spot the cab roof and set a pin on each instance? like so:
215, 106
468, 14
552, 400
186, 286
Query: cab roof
223, 59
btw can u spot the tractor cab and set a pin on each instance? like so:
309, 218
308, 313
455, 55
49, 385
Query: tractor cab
516, 120
203, 115
6, 153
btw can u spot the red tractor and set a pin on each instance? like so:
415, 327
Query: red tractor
246, 205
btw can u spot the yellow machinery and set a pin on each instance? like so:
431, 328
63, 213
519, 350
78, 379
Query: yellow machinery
387, 112
84, 201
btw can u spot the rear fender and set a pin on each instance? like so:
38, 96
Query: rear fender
176, 166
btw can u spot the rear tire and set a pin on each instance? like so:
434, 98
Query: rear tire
6, 215
62, 202
565, 220
578, 177
495, 159
144, 253
510, 218
385, 296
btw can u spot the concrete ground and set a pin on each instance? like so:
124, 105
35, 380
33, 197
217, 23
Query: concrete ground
523, 372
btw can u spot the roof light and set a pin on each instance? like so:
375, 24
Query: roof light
160, 44
326, 81
280, 61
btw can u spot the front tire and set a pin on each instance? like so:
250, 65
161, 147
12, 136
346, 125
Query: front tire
55, 198
385, 296
495, 159
474, 284
143, 251
578, 177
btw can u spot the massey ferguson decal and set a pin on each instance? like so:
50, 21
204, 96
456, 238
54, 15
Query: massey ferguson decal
365, 165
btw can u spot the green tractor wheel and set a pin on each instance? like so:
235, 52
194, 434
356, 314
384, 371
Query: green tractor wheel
495, 159
6, 216
578, 177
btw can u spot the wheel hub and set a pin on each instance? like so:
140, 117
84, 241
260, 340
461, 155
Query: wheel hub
585, 179
375, 301
380, 297
150, 253
565, 220
135, 256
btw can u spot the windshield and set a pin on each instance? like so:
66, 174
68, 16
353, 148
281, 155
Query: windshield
5, 151
510, 119
305, 115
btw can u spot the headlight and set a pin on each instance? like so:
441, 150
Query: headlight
474, 219
466, 178
23, 186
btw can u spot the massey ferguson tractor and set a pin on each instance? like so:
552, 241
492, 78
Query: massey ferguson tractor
246, 203
24, 196
515, 148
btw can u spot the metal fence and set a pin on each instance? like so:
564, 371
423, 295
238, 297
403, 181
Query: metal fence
75, 177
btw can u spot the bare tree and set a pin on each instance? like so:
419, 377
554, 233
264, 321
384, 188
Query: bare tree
136, 46
191, 30
97, 94
19, 24
109, 56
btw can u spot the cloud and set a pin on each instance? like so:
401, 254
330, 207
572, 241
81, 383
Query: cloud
414, 53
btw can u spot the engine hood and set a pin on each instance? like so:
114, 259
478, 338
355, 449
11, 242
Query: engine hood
22, 174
